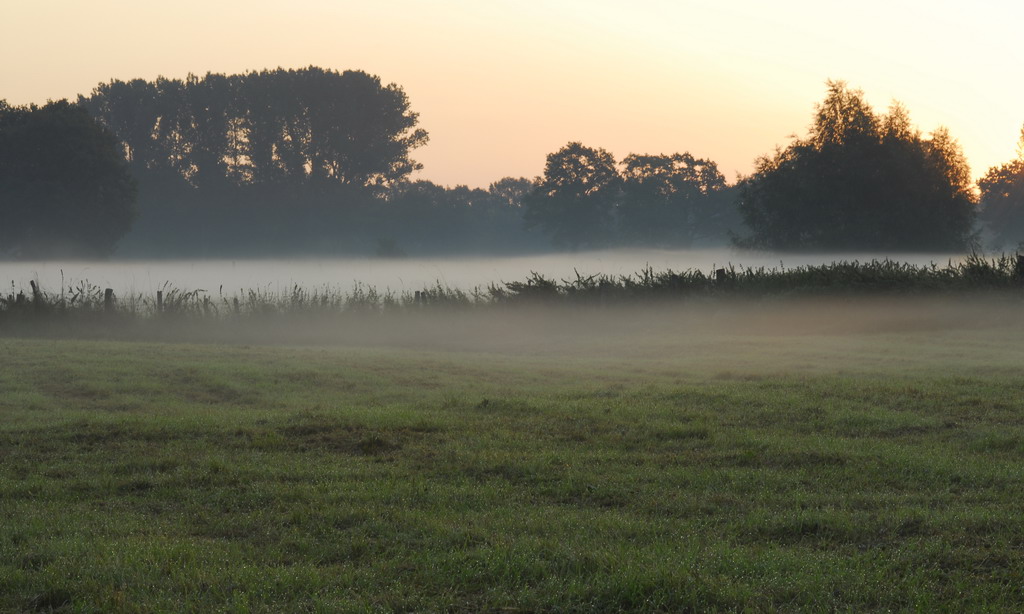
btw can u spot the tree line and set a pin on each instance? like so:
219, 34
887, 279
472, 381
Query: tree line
319, 162
586, 199
290, 127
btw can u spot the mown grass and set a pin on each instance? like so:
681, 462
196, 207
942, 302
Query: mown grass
631, 469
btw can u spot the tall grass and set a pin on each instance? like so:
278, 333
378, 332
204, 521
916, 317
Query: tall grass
84, 302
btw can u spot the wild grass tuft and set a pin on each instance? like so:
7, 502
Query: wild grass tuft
85, 305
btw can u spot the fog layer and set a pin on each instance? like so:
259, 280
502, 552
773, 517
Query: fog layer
401, 274
716, 338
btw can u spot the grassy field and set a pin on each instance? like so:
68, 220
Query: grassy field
812, 457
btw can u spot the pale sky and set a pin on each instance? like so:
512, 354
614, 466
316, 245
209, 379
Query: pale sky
499, 84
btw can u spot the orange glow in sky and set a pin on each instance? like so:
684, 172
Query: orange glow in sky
500, 84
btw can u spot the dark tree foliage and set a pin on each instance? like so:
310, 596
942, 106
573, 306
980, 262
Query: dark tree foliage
1002, 199
65, 188
575, 201
860, 181
513, 190
270, 162
668, 200
272, 126
675, 200
422, 217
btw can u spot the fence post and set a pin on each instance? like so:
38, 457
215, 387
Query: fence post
108, 299
159, 301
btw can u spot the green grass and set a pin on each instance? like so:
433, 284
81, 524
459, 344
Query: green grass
637, 468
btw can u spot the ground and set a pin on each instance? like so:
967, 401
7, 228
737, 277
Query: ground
793, 457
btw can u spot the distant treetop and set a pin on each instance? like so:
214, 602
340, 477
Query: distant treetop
273, 126
663, 200
860, 181
1002, 200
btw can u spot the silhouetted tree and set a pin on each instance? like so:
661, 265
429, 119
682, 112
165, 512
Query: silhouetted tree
860, 181
65, 188
420, 213
291, 126
576, 198
1002, 199
667, 200
278, 160
513, 190
421, 217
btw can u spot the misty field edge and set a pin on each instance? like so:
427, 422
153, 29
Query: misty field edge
89, 304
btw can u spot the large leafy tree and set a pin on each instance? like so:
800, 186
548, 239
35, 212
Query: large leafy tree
860, 181
1002, 199
576, 198
667, 199
275, 160
65, 188
280, 126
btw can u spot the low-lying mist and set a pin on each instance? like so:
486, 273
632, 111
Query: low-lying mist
707, 338
408, 274
583, 328
866, 316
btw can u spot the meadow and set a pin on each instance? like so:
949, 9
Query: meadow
815, 454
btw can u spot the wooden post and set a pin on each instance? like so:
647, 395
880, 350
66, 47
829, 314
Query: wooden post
35, 291
108, 299
720, 275
418, 298
159, 301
